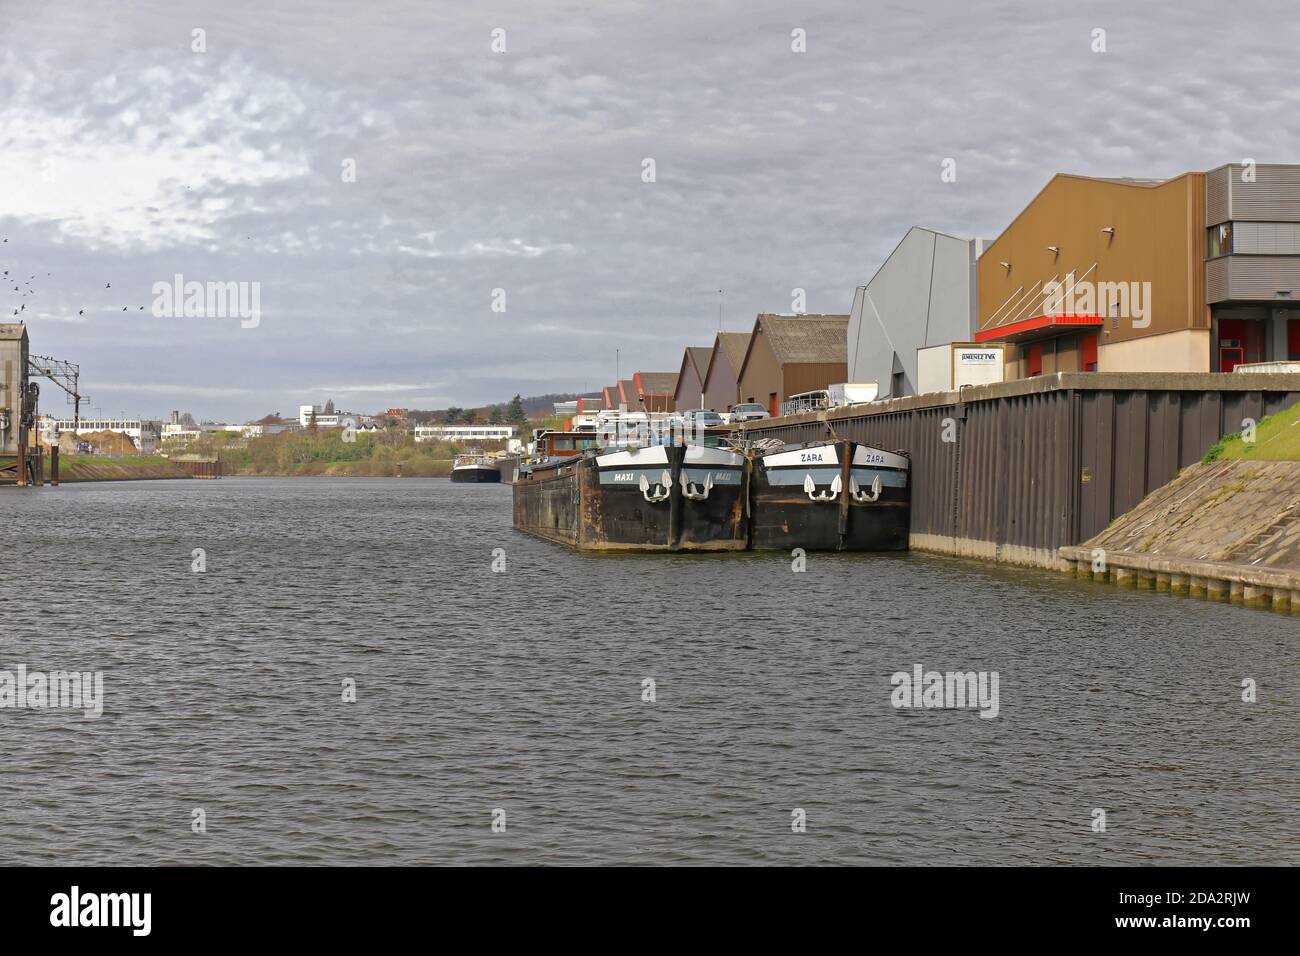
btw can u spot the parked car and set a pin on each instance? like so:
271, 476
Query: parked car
702, 418
748, 412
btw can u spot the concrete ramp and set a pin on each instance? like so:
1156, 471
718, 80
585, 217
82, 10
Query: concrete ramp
1230, 529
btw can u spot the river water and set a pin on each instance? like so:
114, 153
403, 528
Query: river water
522, 691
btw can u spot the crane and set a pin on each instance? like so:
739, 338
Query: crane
66, 375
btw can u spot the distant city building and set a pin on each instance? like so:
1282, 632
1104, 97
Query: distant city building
463, 433
324, 419
143, 433
176, 432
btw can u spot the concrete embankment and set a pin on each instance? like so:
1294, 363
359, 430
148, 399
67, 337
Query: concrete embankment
1229, 530
126, 469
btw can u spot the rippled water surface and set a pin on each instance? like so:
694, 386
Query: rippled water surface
522, 691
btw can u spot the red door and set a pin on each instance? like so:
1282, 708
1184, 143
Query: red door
771, 397
1033, 361
1232, 343
1088, 352
1293, 340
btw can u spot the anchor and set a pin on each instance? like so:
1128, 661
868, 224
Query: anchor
859, 495
665, 482
701, 492
810, 487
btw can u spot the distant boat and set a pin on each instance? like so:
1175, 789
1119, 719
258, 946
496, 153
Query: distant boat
475, 467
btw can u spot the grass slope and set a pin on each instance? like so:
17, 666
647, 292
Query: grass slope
1277, 438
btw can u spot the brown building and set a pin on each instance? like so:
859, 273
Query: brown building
626, 395
1100, 275
790, 354
654, 391
690, 379
723, 370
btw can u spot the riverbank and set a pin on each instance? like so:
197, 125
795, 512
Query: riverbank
368, 468
127, 468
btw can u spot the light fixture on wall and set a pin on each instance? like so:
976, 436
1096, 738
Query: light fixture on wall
1007, 266
1055, 251
1110, 231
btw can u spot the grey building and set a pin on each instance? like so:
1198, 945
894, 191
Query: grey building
924, 294
1252, 264
13, 384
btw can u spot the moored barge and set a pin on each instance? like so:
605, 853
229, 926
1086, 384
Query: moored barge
824, 496
655, 498
475, 467
831, 496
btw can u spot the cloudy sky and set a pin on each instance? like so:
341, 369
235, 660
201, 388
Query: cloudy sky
128, 157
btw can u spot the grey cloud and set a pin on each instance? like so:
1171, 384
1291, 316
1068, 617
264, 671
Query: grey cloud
521, 171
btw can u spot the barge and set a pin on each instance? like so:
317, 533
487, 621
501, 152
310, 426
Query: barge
831, 496
826, 496
656, 498
475, 467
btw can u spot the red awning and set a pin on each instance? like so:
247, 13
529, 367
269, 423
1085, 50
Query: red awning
1040, 326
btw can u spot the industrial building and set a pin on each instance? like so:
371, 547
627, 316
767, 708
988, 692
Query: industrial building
792, 354
13, 384
923, 295
144, 434
721, 390
1100, 275
690, 379
425, 433
1192, 274
1252, 264
654, 391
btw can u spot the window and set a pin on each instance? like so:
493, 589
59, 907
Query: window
1220, 240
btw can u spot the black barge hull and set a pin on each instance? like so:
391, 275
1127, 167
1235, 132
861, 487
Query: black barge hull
476, 475
837, 496
660, 498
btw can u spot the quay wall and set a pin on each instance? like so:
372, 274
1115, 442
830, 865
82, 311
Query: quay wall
1015, 471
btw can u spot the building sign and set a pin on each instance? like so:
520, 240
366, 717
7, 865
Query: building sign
978, 364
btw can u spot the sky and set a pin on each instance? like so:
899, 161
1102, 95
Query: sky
441, 203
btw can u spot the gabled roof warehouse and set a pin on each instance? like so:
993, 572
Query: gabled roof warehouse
790, 354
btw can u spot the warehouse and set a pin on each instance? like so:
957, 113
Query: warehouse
723, 370
791, 354
923, 295
1088, 240
690, 379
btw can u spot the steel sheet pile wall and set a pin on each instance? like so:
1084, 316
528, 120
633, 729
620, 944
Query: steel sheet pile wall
1020, 469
